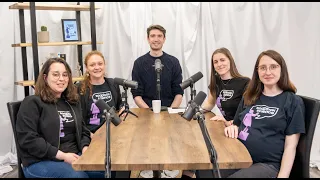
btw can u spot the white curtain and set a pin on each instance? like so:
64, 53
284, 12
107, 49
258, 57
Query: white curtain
194, 31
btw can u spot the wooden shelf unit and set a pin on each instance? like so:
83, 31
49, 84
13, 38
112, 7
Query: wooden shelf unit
42, 6
55, 44
33, 7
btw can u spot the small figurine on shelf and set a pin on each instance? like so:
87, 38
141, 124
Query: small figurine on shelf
78, 70
41, 65
63, 56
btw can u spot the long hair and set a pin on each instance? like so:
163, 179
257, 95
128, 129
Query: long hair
255, 86
86, 82
233, 71
43, 90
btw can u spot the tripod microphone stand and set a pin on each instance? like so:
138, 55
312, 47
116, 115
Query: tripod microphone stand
212, 152
125, 104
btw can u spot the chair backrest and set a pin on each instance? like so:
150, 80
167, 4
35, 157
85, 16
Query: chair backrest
301, 167
13, 108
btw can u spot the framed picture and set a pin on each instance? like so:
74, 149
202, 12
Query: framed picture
70, 30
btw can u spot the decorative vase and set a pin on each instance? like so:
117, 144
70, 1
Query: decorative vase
43, 36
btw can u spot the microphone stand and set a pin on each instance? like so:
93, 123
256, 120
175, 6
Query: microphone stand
108, 116
193, 91
157, 174
207, 139
125, 103
158, 85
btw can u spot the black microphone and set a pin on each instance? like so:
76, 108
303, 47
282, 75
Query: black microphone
157, 65
193, 79
126, 83
158, 68
196, 103
103, 107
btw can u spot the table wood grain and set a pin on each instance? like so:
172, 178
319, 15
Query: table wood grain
162, 141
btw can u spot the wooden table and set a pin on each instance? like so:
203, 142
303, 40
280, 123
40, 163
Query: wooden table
162, 141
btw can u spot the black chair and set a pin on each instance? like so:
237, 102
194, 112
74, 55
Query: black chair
13, 108
301, 168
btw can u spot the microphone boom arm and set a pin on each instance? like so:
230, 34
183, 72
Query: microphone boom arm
211, 150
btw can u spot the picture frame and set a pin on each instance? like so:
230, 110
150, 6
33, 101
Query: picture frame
70, 30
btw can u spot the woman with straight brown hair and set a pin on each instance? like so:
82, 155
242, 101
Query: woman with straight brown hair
269, 119
226, 89
226, 86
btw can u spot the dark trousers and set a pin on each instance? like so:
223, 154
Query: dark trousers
257, 170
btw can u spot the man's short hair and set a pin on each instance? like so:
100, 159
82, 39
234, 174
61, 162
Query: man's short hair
160, 28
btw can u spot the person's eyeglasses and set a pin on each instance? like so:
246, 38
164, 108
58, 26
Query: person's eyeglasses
272, 68
56, 76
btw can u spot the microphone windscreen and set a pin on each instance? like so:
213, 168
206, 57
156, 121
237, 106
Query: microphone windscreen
193, 79
157, 64
118, 81
102, 105
200, 97
197, 76
131, 84
198, 100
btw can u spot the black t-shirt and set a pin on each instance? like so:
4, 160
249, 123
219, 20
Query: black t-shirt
229, 93
68, 142
98, 92
264, 126
170, 79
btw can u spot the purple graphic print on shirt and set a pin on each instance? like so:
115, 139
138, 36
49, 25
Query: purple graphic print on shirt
61, 127
95, 111
247, 121
219, 105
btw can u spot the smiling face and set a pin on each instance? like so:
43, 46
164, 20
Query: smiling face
156, 39
96, 66
57, 78
269, 71
221, 64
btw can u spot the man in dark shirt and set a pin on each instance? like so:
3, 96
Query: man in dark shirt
144, 73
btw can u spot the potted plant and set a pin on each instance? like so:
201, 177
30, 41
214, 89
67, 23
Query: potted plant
43, 35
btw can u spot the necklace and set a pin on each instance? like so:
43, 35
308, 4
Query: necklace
224, 83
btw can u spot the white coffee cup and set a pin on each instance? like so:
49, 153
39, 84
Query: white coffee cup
156, 106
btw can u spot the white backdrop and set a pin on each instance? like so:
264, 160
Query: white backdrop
194, 31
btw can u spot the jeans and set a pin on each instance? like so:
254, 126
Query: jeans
54, 169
